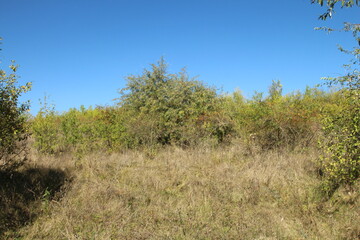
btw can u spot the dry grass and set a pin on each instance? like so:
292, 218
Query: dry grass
194, 194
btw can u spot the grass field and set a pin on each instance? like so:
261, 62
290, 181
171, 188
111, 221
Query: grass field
173, 193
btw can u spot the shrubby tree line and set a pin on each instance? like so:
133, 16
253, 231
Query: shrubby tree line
158, 108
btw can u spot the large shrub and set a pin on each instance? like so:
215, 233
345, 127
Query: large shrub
341, 143
13, 124
171, 108
341, 159
340, 162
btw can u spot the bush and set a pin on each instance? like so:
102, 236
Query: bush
278, 121
80, 131
13, 124
340, 162
172, 109
341, 144
46, 130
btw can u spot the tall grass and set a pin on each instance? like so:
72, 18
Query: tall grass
194, 194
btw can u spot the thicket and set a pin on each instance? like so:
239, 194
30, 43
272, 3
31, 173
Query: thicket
158, 108
281, 122
79, 130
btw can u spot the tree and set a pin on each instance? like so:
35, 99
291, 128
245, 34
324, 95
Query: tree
341, 160
171, 108
331, 6
13, 124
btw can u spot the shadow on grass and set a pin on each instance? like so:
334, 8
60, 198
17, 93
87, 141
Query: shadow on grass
22, 191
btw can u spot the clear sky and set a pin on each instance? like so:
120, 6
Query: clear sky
78, 52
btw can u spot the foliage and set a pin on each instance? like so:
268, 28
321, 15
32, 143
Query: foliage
272, 122
45, 129
81, 131
331, 5
156, 108
171, 108
340, 163
13, 124
341, 160
278, 121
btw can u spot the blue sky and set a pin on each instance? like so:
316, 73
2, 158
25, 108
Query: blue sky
78, 52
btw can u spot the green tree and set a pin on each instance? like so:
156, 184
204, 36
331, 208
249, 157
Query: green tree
341, 160
172, 108
13, 124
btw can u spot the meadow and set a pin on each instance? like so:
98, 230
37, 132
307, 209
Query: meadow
203, 193
174, 159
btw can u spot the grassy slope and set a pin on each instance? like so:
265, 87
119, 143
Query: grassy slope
194, 194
